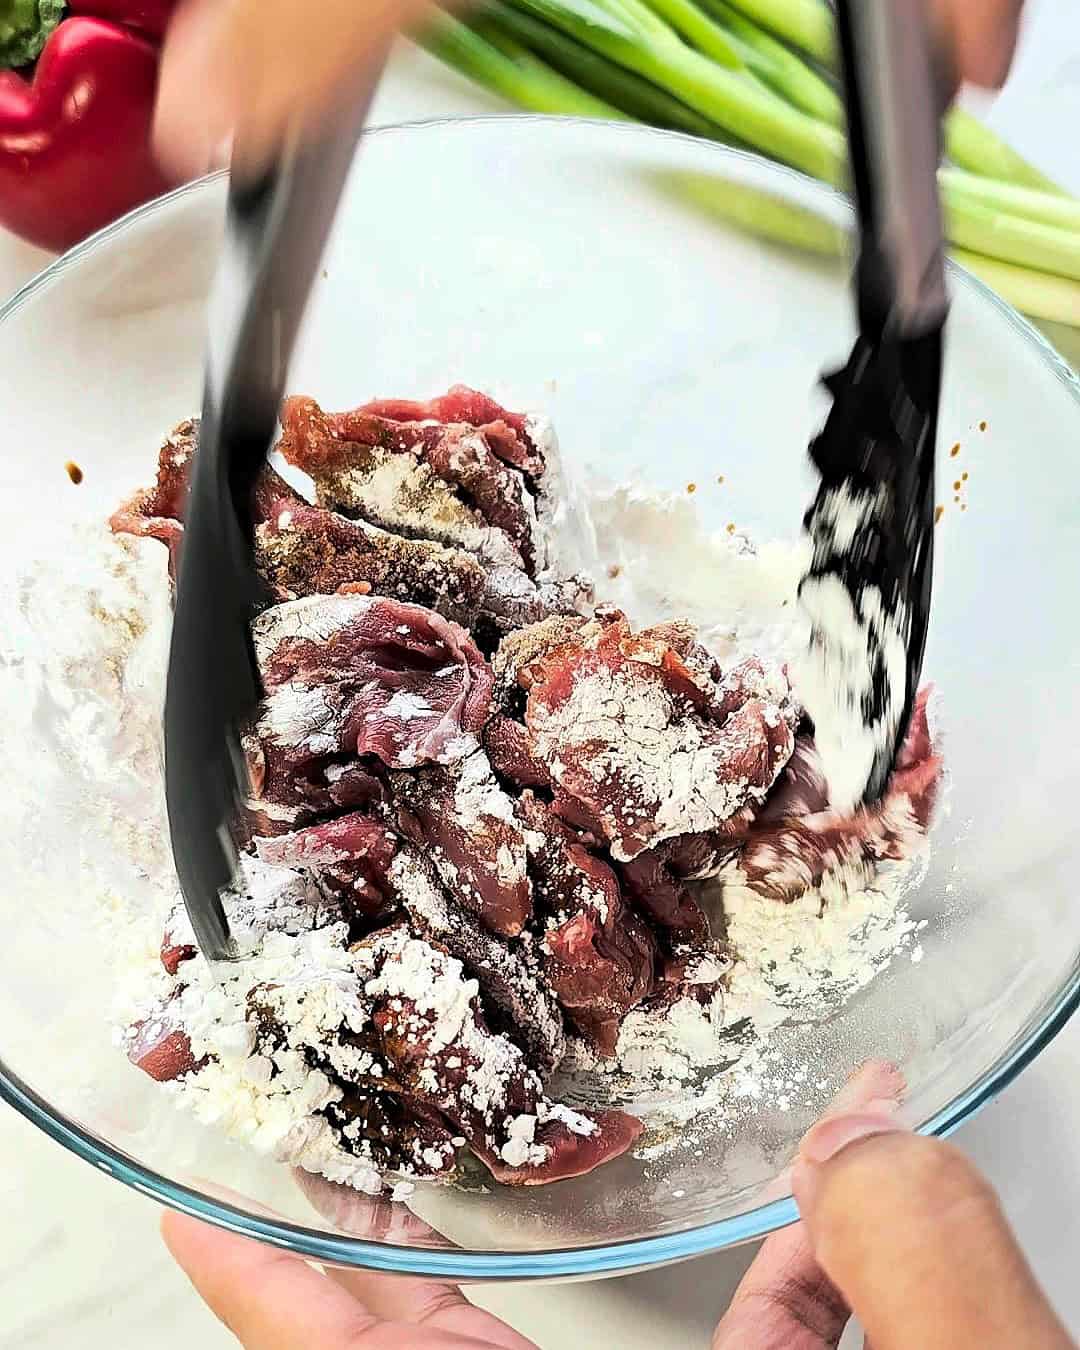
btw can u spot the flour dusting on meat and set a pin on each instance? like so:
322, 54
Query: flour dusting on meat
511, 855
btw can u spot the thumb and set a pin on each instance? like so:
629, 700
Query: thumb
916, 1242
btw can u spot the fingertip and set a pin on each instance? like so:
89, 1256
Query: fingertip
192, 118
826, 1139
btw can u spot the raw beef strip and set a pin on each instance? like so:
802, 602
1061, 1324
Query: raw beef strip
351, 855
508, 432
506, 972
158, 512
432, 1034
597, 955
425, 480
788, 855
509, 748
465, 822
320, 1025
659, 891
306, 550
637, 740
513, 600
364, 675
520, 649
392, 1133
161, 1048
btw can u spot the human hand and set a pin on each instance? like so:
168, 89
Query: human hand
983, 35
900, 1229
270, 1300
903, 1232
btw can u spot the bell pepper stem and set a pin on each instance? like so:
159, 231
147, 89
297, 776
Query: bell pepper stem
25, 26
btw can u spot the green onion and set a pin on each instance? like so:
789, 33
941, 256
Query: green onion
732, 99
767, 215
1052, 208
1037, 294
808, 26
805, 24
757, 211
973, 146
1028, 243
776, 64
695, 25
508, 69
621, 88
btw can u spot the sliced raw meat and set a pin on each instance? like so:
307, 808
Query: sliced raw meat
158, 512
160, 1046
597, 955
426, 480
660, 892
174, 952
433, 1036
508, 432
306, 550
506, 972
466, 823
351, 855
801, 790
384, 1128
571, 1153
316, 1031
364, 675
509, 748
787, 856
518, 650
287, 794
638, 743
512, 600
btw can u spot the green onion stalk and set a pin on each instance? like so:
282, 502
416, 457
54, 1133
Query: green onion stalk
807, 25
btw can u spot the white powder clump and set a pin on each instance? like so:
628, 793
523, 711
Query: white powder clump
851, 639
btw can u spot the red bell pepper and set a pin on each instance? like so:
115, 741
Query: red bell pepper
75, 148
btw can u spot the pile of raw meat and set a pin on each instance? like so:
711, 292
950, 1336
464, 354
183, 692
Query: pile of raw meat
481, 809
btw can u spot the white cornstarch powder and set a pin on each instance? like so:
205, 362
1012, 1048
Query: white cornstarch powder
855, 638
95, 618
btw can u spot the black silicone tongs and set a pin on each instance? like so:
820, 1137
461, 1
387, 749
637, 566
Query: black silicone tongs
276, 229
867, 589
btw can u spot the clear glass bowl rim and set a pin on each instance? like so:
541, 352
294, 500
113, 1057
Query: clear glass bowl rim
558, 1263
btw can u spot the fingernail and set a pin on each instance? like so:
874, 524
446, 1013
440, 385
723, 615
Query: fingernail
826, 1139
830, 1137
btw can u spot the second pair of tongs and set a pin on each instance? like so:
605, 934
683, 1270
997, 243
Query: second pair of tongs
276, 229
867, 588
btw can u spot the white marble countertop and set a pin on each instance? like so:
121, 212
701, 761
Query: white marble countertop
80, 1261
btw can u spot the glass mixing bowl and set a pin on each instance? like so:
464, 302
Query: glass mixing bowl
557, 263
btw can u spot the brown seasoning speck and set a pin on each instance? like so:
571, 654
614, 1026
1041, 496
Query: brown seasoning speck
691, 487
982, 426
955, 450
938, 513
614, 570
74, 472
